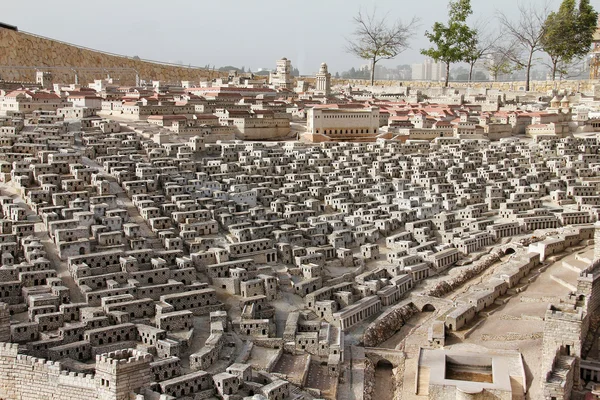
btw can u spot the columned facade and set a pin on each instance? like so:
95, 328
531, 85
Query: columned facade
324, 80
357, 312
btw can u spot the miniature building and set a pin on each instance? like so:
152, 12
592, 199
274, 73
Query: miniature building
323, 80
282, 77
170, 225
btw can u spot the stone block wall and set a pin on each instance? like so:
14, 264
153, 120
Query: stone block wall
80, 351
564, 332
122, 372
4, 323
588, 286
561, 388
443, 392
387, 324
166, 368
175, 321
25, 377
24, 49
585, 86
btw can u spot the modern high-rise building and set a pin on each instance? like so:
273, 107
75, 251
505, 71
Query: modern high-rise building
323, 79
428, 71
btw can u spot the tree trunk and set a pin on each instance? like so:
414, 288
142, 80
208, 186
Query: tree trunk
528, 73
447, 74
373, 62
471, 72
554, 64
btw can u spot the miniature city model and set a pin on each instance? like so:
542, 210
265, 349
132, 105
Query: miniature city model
244, 241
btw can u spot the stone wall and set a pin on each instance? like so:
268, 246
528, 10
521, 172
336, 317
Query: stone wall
4, 323
447, 286
479, 266
25, 377
23, 49
585, 86
387, 324
447, 392
369, 383
397, 359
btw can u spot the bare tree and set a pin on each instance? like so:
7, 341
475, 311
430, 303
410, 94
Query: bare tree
481, 45
498, 61
526, 33
374, 39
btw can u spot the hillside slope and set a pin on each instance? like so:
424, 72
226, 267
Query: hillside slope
24, 49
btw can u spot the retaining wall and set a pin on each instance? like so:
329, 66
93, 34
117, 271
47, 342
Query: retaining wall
24, 49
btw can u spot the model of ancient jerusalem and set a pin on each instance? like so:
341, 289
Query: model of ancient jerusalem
402, 209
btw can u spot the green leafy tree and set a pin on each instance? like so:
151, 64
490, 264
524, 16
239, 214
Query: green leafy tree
568, 34
374, 39
452, 41
587, 21
559, 35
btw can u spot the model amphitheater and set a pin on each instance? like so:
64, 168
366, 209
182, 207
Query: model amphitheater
178, 236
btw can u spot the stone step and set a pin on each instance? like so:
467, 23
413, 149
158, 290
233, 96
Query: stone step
563, 283
555, 378
562, 366
423, 384
502, 300
296, 393
575, 265
584, 258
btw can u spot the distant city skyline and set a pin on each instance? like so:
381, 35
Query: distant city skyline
230, 33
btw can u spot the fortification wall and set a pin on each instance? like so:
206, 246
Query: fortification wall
25, 377
24, 49
586, 86
19, 48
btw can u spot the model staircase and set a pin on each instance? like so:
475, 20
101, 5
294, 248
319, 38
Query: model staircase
423, 384
297, 394
561, 369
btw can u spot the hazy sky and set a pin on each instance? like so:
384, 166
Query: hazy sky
232, 32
